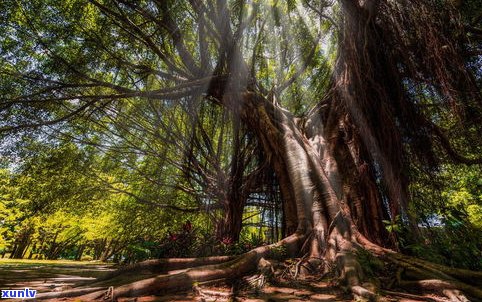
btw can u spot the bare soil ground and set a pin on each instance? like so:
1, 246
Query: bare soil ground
46, 275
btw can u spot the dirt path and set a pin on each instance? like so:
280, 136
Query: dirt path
47, 276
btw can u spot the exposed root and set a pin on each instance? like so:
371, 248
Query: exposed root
164, 265
471, 277
341, 256
185, 280
109, 295
450, 289
412, 296
298, 265
432, 277
455, 295
359, 291
438, 278
352, 274
70, 293
208, 293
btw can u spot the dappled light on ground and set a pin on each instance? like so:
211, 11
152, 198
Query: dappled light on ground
48, 276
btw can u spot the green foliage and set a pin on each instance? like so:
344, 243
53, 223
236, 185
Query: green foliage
370, 264
246, 242
278, 252
450, 217
57, 197
393, 226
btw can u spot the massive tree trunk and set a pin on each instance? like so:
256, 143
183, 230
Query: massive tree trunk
323, 211
328, 163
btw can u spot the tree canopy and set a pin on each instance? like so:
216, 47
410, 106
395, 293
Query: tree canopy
161, 128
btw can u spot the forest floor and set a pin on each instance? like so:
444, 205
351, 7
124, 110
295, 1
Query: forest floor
48, 275
51, 276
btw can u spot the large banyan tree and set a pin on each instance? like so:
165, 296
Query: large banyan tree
340, 99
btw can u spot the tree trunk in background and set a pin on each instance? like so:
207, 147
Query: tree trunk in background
236, 191
80, 251
229, 227
13, 250
32, 251
53, 246
26, 248
99, 248
41, 250
109, 249
21, 244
